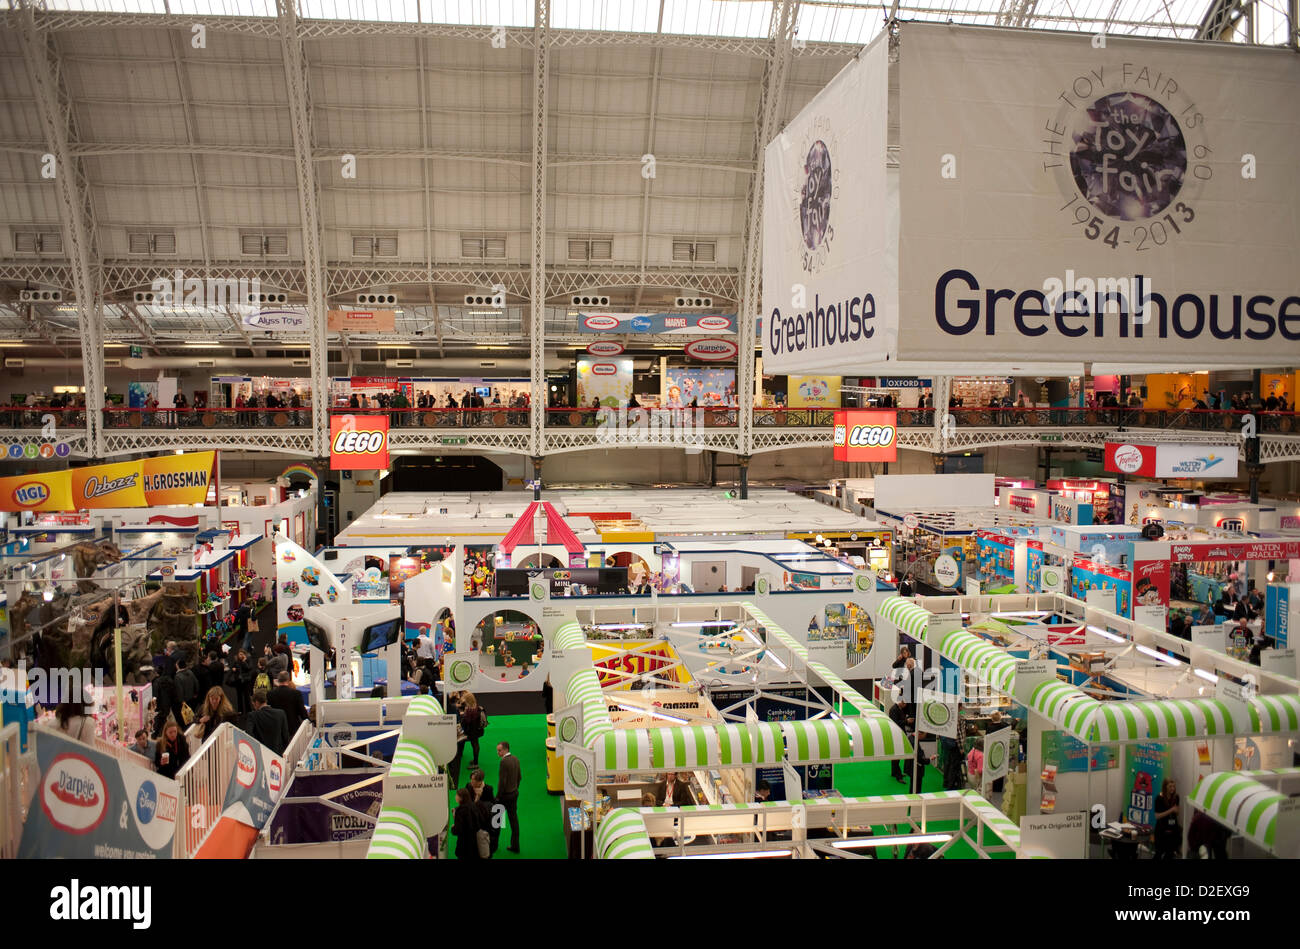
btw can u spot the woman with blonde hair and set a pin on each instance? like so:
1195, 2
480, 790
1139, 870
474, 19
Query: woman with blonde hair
216, 708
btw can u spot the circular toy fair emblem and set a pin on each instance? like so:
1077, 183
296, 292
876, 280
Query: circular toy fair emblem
1130, 159
937, 713
997, 755
461, 671
537, 591
578, 773
761, 585
568, 729
862, 583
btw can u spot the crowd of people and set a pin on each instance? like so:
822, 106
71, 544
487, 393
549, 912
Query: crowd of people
470, 409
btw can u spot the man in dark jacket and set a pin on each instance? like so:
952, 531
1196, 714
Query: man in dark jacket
268, 725
187, 684
288, 700
508, 777
898, 715
167, 703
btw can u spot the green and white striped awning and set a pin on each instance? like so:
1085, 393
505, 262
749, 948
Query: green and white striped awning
410, 759
568, 636
861, 738
906, 615
584, 688
622, 836
1238, 800
424, 705
1277, 713
691, 746
1001, 825
977, 656
398, 836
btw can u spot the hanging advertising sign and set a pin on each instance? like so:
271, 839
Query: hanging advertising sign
1124, 458
605, 347
362, 321
813, 392
1281, 608
829, 268
91, 805
866, 435
659, 324
358, 442
1195, 461
149, 482
273, 321
1113, 244
1151, 583
1251, 550
711, 350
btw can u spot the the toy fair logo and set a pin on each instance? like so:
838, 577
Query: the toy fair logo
1128, 149
816, 186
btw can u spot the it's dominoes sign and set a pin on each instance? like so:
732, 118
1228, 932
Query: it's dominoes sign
358, 442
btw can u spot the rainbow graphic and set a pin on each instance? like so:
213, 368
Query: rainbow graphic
299, 469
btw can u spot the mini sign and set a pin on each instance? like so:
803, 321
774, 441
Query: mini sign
358, 442
866, 435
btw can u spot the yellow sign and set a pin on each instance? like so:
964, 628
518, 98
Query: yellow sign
813, 392
150, 482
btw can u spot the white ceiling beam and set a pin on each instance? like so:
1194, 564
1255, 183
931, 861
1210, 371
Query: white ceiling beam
295, 74
55, 110
537, 242
650, 150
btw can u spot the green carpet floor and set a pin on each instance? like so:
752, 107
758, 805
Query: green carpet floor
541, 834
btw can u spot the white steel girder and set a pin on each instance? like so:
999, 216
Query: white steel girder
314, 281
54, 106
537, 245
785, 14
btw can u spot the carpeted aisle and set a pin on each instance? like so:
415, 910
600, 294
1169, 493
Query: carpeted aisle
541, 834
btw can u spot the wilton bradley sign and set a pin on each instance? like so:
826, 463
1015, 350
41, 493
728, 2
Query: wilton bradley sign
1126, 164
1172, 461
829, 275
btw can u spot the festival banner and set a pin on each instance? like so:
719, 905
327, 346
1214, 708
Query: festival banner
1097, 185
830, 277
90, 805
1148, 762
254, 787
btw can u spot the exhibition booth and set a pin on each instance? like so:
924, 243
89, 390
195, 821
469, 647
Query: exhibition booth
1108, 707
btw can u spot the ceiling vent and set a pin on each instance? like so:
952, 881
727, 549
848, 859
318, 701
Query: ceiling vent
589, 300
403, 363
265, 298
494, 300
487, 365
300, 363
112, 362
15, 363
40, 296
376, 299
144, 296
693, 303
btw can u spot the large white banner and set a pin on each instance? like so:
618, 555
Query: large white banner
1194, 461
830, 275
1136, 202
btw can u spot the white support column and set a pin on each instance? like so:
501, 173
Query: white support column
537, 285
295, 77
784, 16
940, 392
54, 107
